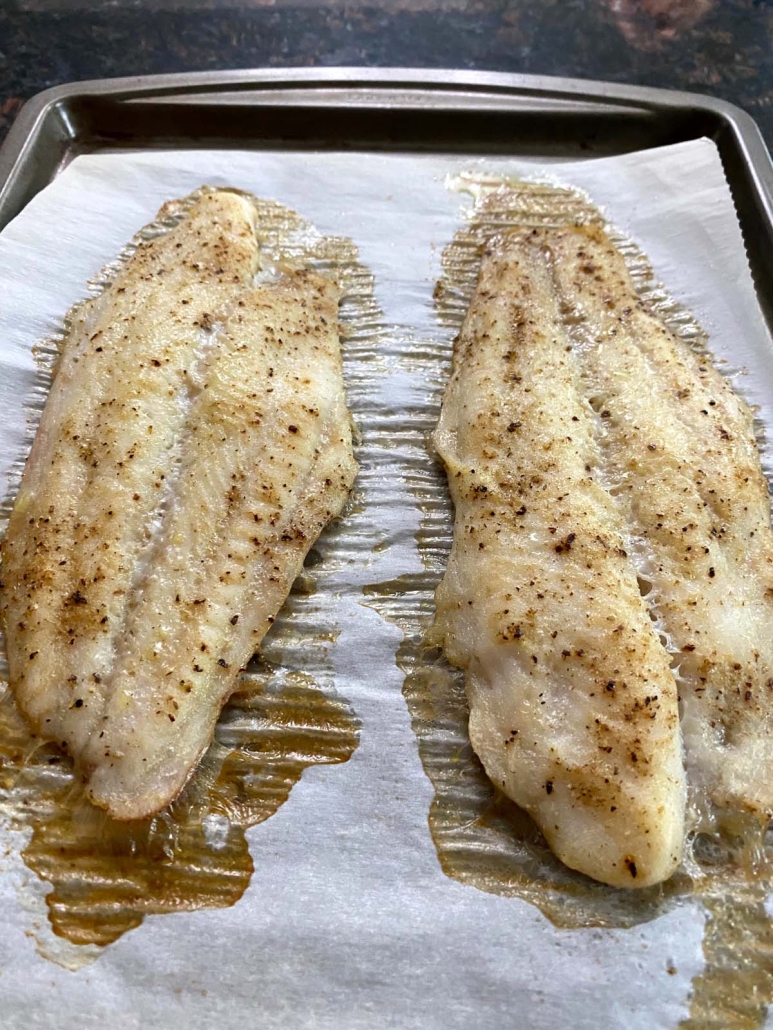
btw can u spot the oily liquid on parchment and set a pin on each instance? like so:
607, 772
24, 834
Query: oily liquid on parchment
286, 716
107, 876
481, 837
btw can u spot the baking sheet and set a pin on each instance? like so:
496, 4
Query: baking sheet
349, 921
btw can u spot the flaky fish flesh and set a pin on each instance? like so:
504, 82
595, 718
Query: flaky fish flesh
195, 442
573, 699
679, 450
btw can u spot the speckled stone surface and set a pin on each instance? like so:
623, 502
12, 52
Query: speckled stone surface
724, 47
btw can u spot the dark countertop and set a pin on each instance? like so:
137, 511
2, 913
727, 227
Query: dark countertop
724, 47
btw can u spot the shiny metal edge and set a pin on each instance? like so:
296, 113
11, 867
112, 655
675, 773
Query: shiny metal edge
747, 161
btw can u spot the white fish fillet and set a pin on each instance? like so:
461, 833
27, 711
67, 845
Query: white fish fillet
195, 442
573, 704
679, 445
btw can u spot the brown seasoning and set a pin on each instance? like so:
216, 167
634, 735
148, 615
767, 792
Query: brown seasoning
107, 876
482, 839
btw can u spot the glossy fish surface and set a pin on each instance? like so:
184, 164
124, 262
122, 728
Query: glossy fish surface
194, 444
679, 447
573, 701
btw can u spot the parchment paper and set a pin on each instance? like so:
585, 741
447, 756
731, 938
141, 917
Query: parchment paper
349, 921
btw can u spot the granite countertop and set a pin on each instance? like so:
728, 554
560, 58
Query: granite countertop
723, 47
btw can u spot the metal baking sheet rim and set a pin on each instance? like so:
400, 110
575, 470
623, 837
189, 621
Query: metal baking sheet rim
76, 92
390, 88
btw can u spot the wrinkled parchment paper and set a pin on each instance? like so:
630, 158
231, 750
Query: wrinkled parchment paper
349, 921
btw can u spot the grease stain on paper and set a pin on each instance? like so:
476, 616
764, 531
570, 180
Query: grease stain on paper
106, 876
481, 837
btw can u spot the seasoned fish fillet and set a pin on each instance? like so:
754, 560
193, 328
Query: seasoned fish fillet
100, 458
678, 445
187, 403
573, 704
267, 463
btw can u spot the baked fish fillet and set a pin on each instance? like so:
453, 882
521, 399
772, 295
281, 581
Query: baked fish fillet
195, 442
678, 444
573, 704
266, 465
98, 467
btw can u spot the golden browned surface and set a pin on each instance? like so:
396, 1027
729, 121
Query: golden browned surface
195, 466
482, 839
266, 464
679, 449
573, 706
100, 459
